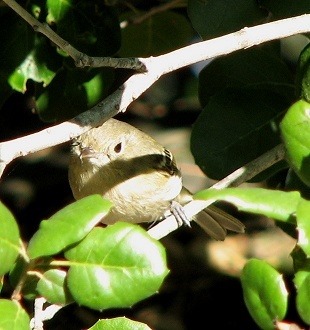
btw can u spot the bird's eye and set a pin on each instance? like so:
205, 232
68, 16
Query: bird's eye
118, 148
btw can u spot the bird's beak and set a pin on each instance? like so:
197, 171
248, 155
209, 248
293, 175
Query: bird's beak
93, 156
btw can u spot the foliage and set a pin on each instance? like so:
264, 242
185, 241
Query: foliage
251, 101
112, 267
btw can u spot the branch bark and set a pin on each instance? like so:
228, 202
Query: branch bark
239, 176
81, 60
137, 84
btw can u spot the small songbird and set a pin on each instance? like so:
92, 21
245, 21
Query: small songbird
139, 176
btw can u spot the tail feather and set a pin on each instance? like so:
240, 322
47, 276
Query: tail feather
215, 223
226, 220
213, 220
210, 226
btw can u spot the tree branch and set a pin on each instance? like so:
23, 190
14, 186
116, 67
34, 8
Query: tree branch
81, 60
139, 83
155, 10
239, 176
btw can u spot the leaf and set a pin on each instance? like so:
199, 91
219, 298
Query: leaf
72, 92
235, 127
39, 65
302, 283
16, 43
286, 8
259, 67
303, 225
29, 283
156, 35
116, 267
13, 316
89, 26
275, 204
264, 292
214, 18
9, 240
52, 286
68, 226
303, 74
296, 138
119, 323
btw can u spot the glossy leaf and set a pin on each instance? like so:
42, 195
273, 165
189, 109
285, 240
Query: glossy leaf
16, 43
29, 283
39, 65
68, 226
302, 283
13, 316
275, 204
9, 240
119, 323
303, 225
286, 8
235, 127
90, 26
52, 286
296, 138
214, 18
303, 74
259, 67
156, 35
264, 292
116, 267
300, 259
72, 92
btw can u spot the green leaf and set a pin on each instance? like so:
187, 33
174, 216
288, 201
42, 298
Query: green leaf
119, 323
214, 18
156, 35
29, 283
275, 204
300, 259
9, 240
264, 292
13, 316
89, 26
68, 226
259, 67
16, 43
302, 283
303, 74
303, 225
296, 138
116, 267
40, 65
52, 286
73, 91
235, 127
286, 8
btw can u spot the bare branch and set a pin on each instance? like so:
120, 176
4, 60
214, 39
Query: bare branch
137, 84
81, 59
239, 176
41, 314
155, 10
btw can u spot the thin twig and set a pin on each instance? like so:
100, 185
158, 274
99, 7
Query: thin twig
155, 10
81, 60
41, 314
139, 83
239, 176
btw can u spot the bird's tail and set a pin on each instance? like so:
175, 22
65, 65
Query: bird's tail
216, 222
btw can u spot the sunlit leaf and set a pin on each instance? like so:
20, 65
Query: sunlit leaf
116, 267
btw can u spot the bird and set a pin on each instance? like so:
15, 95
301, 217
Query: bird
139, 176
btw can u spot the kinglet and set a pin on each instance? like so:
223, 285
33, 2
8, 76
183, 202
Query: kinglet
139, 176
